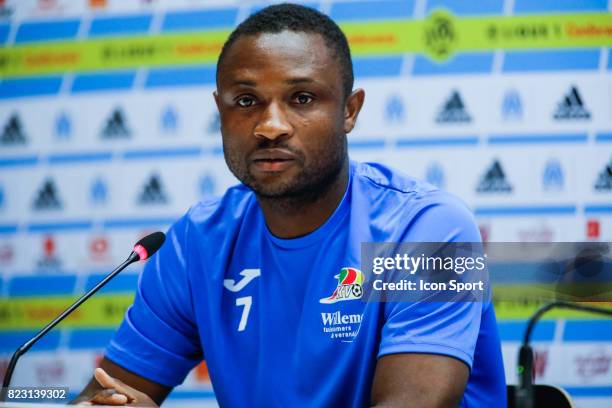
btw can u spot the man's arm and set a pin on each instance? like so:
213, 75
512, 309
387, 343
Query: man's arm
121, 387
419, 380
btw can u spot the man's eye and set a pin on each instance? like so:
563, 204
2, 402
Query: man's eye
245, 101
303, 99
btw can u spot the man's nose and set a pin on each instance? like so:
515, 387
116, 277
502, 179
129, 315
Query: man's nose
273, 123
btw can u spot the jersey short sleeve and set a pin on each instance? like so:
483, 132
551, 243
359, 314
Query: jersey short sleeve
446, 328
158, 337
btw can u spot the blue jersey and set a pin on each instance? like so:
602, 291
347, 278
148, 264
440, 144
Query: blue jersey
272, 316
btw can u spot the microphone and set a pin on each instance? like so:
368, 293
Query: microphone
143, 249
524, 391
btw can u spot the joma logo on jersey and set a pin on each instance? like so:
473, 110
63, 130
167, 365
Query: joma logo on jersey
350, 286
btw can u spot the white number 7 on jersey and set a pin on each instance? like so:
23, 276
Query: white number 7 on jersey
246, 301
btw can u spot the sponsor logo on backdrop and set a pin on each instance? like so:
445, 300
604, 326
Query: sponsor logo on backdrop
99, 249
152, 192
201, 374
604, 178
169, 120
7, 253
552, 177
5, 11
49, 259
207, 185
350, 286
592, 365
63, 126
440, 34
98, 192
13, 133
512, 107
453, 110
394, 109
494, 180
540, 363
593, 229
485, 233
47, 197
571, 107
213, 126
50, 372
538, 233
435, 175
115, 126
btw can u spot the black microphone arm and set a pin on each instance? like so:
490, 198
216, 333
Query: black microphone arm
142, 250
524, 392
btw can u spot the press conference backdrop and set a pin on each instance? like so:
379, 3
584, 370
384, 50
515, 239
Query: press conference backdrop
108, 130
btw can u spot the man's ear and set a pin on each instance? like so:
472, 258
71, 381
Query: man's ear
217, 100
352, 107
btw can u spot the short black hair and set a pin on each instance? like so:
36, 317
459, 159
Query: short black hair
301, 19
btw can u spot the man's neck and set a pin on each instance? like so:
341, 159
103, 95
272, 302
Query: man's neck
297, 216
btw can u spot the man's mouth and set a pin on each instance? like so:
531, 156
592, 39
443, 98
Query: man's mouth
272, 160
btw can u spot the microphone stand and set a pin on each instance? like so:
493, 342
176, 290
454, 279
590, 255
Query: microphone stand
524, 392
134, 257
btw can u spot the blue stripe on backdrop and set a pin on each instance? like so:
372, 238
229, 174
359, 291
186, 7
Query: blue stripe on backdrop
165, 153
462, 7
200, 19
90, 338
369, 10
514, 330
60, 226
4, 32
367, 144
562, 209
465, 63
588, 330
79, 157
18, 161
133, 24
531, 6
610, 58
580, 392
15, 88
167, 77
7, 229
603, 137
103, 82
539, 138
140, 223
597, 208
47, 31
10, 340
39, 285
124, 282
578, 59
377, 66
436, 141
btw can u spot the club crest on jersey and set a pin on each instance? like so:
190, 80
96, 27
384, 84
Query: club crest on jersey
350, 286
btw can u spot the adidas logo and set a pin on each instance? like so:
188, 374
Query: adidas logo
453, 111
604, 179
494, 180
152, 192
12, 134
115, 126
571, 107
47, 197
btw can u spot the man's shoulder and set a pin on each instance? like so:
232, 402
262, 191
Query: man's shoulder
231, 206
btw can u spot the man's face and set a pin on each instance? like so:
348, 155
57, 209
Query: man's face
283, 116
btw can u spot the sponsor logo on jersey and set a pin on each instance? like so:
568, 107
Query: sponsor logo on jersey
604, 179
153, 192
47, 197
571, 107
453, 110
12, 132
552, 177
494, 180
350, 286
115, 126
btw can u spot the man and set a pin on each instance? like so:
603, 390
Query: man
249, 281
